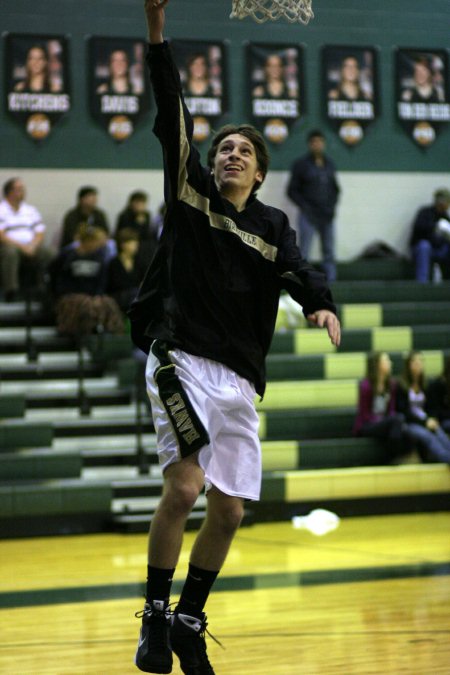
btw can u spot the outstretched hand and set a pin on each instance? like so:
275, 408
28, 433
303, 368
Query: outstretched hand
155, 15
323, 318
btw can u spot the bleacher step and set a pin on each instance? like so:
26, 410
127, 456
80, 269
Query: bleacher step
39, 464
94, 398
138, 523
311, 341
138, 487
44, 360
110, 473
98, 415
108, 457
391, 291
53, 373
104, 443
15, 313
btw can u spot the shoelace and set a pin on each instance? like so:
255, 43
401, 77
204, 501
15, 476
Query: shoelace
168, 612
204, 630
157, 637
151, 611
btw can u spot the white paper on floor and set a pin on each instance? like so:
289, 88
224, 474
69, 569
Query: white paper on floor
318, 522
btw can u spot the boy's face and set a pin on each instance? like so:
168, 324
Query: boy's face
316, 145
442, 204
236, 165
139, 205
89, 201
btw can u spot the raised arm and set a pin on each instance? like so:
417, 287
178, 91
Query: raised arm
173, 123
155, 15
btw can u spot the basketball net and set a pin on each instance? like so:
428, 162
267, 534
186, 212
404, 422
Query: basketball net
271, 10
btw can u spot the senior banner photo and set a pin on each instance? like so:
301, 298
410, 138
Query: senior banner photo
275, 84
37, 81
118, 84
422, 88
351, 90
202, 68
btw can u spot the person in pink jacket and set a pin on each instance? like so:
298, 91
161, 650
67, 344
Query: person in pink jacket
377, 416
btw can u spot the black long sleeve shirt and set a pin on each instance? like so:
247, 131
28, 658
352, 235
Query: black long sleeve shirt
438, 399
213, 286
75, 272
424, 226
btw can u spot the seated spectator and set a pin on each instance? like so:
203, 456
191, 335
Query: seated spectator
85, 213
136, 216
377, 416
79, 276
22, 235
438, 397
430, 237
126, 270
423, 430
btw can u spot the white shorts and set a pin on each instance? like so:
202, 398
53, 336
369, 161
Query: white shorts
215, 413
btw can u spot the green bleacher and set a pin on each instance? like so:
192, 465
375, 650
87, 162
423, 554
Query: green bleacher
83, 459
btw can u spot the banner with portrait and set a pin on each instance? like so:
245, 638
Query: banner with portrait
118, 84
422, 92
350, 82
37, 81
202, 68
275, 84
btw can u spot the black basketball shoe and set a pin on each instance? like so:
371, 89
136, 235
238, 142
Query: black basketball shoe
187, 637
153, 653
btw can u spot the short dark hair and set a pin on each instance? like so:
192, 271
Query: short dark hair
138, 196
253, 135
90, 233
442, 195
315, 133
9, 186
86, 190
126, 234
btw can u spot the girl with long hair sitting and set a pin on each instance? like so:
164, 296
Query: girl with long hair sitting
377, 416
423, 430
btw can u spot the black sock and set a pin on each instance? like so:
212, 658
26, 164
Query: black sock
196, 590
159, 583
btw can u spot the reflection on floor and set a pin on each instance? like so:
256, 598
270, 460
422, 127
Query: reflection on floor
371, 597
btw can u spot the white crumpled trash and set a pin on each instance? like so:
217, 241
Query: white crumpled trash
443, 228
318, 522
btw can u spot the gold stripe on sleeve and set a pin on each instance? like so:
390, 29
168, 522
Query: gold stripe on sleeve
190, 196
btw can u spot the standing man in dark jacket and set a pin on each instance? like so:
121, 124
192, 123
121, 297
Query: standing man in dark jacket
314, 188
205, 314
430, 236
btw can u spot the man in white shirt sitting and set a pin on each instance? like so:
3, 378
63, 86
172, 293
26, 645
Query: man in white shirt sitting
21, 238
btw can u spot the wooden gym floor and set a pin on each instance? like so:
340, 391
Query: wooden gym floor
371, 597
